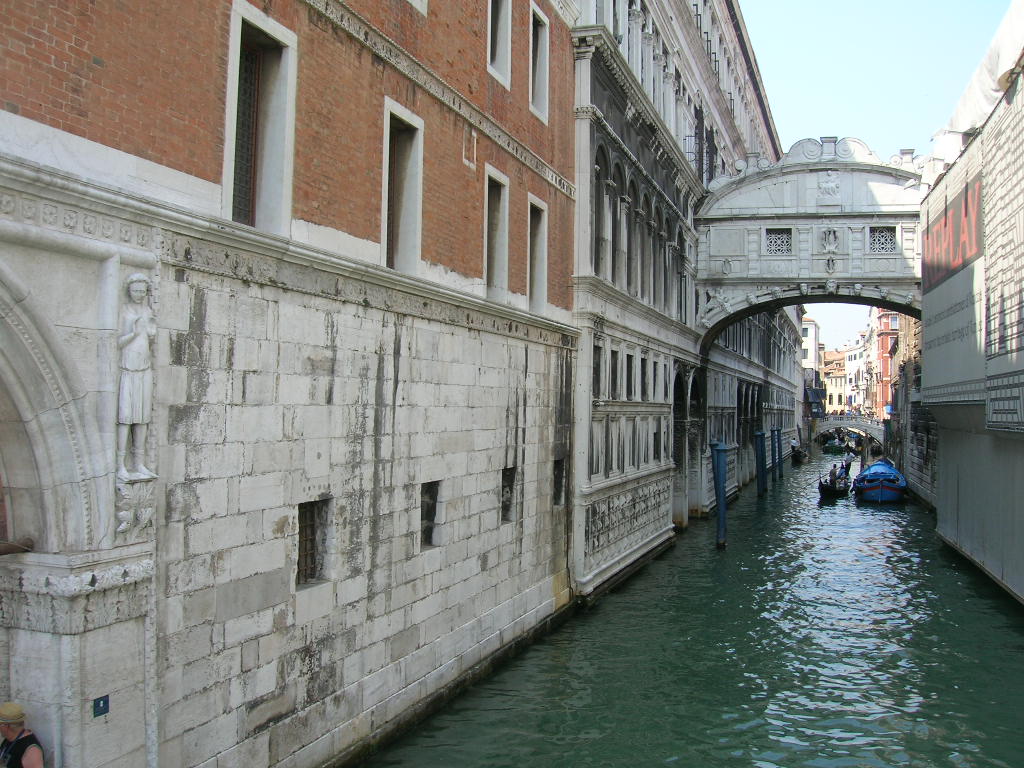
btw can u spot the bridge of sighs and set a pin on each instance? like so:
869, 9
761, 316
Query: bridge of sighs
829, 222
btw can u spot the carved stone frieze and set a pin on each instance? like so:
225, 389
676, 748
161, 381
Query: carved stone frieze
59, 216
357, 284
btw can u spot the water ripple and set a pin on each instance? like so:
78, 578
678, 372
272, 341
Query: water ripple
825, 636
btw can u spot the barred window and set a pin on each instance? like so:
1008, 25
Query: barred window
312, 530
882, 239
778, 242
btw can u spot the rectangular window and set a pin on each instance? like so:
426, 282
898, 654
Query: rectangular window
428, 512
644, 394
499, 40
629, 377
778, 242
596, 383
657, 439
632, 437
881, 239
312, 527
496, 235
508, 494
613, 376
259, 129
538, 242
894, 323
538, 63
403, 193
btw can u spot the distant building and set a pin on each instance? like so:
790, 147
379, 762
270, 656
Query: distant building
834, 374
811, 358
883, 329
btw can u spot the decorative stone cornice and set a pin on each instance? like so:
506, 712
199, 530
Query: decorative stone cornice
363, 33
69, 595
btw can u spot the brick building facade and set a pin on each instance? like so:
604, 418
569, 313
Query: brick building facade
354, 224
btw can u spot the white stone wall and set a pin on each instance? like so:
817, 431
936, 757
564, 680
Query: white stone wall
309, 385
283, 375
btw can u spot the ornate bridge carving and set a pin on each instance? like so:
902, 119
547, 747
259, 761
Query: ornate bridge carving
829, 222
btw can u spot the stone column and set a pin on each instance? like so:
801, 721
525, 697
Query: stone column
635, 39
585, 114
647, 65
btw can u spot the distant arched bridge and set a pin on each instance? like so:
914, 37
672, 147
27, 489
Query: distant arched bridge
871, 427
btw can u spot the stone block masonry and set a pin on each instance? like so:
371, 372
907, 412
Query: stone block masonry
355, 407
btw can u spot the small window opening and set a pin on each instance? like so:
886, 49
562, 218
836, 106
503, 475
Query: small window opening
312, 525
428, 512
508, 490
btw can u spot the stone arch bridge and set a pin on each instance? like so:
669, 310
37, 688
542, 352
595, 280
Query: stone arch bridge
829, 222
874, 428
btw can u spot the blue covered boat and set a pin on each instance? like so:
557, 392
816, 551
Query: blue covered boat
880, 482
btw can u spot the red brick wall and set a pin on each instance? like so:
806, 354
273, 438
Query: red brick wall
150, 80
150, 83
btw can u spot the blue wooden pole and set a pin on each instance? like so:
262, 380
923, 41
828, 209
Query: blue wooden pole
775, 455
718, 468
782, 463
761, 460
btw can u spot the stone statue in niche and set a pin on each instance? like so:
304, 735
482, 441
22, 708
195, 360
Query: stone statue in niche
135, 391
830, 240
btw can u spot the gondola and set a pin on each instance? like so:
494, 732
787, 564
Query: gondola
829, 491
880, 482
799, 456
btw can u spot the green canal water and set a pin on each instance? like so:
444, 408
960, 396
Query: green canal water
827, 634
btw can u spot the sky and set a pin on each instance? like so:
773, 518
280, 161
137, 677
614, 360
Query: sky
889, 73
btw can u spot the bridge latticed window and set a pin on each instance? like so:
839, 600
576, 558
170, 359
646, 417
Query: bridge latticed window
882, 239
778, 242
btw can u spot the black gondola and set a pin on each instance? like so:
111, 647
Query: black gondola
829, 491
799, 456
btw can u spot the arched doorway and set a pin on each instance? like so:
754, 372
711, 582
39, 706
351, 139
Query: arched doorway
52, 472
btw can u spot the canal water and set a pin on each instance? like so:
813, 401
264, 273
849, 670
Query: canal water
827, 634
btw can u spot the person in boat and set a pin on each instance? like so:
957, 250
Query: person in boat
832, 475
841, 474
848, 460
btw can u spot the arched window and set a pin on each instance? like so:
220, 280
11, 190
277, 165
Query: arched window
598, 217
620, 213
647, 232
658, 259
633, 222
